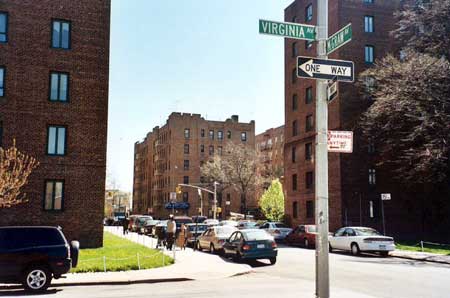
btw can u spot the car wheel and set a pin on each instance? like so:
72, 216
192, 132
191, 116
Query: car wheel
273, 260
355, 249
384, 254
36, 278
212, 250
199, 247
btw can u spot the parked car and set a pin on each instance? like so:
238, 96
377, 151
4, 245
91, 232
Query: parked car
140, 222
361, 239
179, 220
278, 230
147, 228
34, 256
302, 235
193, 232
247, 224
198, 219
211, 222
251, 244
214, 238
232, 223
132, 222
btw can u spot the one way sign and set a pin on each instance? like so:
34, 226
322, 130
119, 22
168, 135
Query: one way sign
312, 68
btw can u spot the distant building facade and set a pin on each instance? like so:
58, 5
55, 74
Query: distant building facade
54, 73
173, 154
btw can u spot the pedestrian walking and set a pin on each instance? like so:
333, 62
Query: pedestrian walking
125, 223
171, 230
182, 237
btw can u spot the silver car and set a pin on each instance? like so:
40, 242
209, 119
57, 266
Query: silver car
278, 230
214, 238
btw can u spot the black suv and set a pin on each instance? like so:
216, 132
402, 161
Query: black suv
34, 255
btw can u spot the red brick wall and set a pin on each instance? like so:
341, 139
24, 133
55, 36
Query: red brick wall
26, 110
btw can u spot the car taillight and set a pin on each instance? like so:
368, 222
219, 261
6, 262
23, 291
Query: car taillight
274, 244
246, 247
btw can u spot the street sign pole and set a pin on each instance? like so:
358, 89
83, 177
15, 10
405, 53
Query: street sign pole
321, 164
382, 216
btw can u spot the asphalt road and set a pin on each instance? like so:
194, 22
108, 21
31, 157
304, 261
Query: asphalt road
292, 276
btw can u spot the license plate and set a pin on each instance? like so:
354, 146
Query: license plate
382, 246
260, 246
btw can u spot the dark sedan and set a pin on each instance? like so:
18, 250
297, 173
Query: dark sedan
251, 244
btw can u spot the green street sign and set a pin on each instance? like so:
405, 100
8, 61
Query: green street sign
339, 38
290, 30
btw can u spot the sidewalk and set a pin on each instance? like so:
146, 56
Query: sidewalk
421, 256
189, 265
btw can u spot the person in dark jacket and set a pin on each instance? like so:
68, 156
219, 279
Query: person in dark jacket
125, 223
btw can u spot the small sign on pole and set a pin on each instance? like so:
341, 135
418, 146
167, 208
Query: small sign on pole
173, 196
386, 196
290, 30
332, 89
340, 141
339, 38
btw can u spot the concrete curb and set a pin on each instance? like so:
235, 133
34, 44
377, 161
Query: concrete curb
432, 258
421, 259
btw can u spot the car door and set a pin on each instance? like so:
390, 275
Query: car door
291, 237
350, 236
204, 242
337, 241
228, 245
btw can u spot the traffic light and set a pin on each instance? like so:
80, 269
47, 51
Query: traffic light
178, 189
219, 209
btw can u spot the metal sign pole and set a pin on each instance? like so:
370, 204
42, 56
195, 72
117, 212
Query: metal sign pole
382, 216
321, 165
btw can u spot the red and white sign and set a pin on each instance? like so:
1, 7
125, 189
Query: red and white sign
340, 141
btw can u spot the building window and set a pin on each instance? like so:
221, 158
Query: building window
371, 146
294, 182
309, 180
186, 165
2, 81
211, 134
59, 86
202, 133
309, 209
308, 44
308, 95
54, 195
187, 133
368, 24
202, 148
294, 76
309, 123
211, 150
186, 180
295, 209
368, 54
308, 151
294, 49
369, 84
3, 27
294, 128
219, 150
309, 13
243, 136
229, 134
56, 140
61, 34
186, 148
220, 135
294, 102
294, 154
185, 196
372, 177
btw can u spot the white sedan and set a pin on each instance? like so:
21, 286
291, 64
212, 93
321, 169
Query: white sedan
361, 239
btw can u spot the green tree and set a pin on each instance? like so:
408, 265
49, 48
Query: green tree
272, 202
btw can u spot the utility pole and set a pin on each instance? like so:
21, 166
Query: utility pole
215, 200
321, 165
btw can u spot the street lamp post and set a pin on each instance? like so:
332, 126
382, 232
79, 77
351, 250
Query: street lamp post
208, 191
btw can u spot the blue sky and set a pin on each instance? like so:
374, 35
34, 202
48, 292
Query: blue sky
194, 56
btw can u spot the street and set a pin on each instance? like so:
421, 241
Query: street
292, 276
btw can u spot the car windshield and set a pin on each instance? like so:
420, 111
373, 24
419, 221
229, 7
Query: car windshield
256, 235
281, 225
224, 230
199, 228
312, 229
367, 232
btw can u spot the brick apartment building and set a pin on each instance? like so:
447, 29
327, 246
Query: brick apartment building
270, 147
355, 183
174, 153
54, 68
